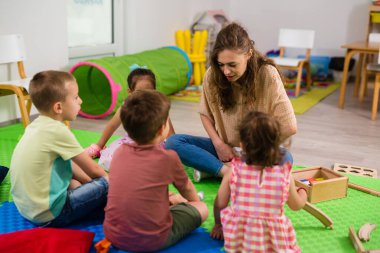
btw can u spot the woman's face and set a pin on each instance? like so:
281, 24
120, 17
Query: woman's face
233, 64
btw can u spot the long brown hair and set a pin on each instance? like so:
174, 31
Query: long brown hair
235, 37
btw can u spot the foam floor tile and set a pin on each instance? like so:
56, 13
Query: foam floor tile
198, 241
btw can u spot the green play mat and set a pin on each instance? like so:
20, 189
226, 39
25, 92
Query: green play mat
355, 210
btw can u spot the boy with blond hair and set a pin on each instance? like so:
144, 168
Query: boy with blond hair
138, 216
54, 182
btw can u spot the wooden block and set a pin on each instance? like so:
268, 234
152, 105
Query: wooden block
355, 170
333, 186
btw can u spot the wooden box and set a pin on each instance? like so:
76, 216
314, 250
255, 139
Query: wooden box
333, 186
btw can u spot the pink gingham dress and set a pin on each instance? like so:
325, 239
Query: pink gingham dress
255, 220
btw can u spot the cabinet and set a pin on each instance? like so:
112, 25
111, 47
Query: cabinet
373, 20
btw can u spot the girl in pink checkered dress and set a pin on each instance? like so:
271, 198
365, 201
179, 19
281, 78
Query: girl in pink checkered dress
257, 189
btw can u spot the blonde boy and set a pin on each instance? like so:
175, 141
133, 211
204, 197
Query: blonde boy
47, 188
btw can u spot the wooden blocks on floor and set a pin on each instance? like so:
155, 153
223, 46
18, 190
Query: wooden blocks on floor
321, 183
355, 170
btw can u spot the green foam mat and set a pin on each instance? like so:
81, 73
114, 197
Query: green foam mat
355, 210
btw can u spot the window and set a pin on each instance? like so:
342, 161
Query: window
94, 28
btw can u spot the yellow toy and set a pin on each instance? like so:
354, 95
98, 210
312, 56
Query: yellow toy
195, 49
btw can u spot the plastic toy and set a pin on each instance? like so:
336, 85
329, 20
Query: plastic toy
195, 50
103, 82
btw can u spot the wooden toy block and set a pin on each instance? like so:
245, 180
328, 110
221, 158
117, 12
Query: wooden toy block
355, 170
333, 186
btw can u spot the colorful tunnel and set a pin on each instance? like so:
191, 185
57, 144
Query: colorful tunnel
103, 82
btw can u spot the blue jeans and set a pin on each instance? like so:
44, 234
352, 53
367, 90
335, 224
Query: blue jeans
199, 153
85, 201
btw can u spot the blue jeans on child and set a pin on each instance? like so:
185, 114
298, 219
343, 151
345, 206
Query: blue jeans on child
85, 201
199, 152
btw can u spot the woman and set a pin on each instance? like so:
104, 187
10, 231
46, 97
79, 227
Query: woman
239, 80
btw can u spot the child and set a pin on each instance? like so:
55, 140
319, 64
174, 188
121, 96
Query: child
47, 188
259, 188
138, 216
138, 79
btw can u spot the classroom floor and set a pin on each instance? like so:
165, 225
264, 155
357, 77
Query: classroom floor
326, 134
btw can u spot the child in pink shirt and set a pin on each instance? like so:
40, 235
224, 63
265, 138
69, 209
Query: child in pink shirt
257, 188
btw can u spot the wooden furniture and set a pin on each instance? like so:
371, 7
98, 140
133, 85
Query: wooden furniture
376, 91
374, 69
332, 186
362, 48
369, 68
373, 20
12, 51
293, 38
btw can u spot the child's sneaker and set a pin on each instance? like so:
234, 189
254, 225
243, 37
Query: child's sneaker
199, 175
93, 151
201, 195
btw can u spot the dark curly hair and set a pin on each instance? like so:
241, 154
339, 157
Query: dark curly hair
260, 138
235, 37
139, 73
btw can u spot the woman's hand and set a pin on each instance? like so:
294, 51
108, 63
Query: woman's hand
217, 232
224, 151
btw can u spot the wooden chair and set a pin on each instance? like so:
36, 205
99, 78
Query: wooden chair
293, 38
369, 68
12, 51
376, 91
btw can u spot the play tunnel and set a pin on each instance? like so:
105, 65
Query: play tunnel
103, 82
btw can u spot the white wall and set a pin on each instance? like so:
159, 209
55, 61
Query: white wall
150, 24
335, 22
43, 25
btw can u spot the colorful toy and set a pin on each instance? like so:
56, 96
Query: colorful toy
195, 50
103, 82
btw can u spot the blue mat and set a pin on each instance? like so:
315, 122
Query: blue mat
198, 241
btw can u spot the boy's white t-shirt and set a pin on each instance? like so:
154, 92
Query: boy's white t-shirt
41, 169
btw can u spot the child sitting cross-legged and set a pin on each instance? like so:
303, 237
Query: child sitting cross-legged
47, 188
138, 79
257, 188
138, 216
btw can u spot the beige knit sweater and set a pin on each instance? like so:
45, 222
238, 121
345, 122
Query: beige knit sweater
271, 98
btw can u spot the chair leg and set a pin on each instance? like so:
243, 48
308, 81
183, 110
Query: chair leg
22, 98
308, 77
24, 108
376, 92
358, 74
363, 85
298, 82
